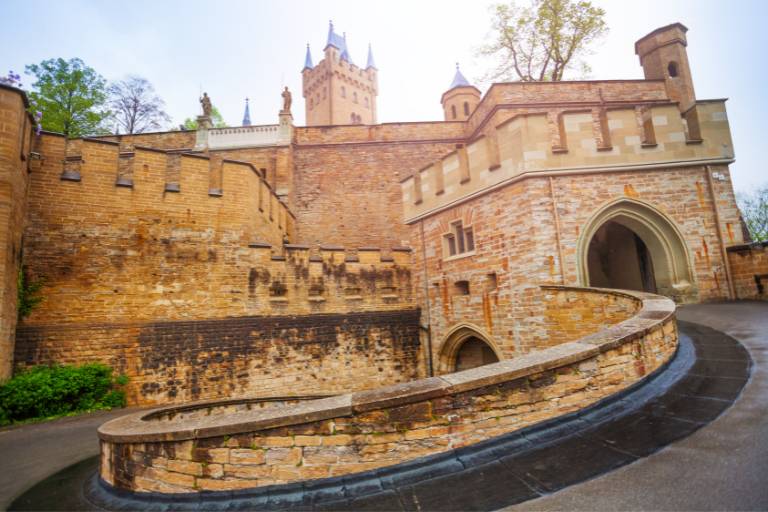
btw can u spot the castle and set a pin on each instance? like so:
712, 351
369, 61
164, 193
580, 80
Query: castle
343, 255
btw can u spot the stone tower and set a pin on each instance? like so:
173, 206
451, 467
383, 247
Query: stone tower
461, 98
336, 91
663, 56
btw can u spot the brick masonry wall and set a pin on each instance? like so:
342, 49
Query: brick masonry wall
256, 356
16, 139
388, 426
749, 267
515, 238
348, 194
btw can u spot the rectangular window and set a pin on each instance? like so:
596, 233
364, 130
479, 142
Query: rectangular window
459, 240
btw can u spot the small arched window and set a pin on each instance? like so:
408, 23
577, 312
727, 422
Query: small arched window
672, 69
343, 92
366, 102
453, 111
323, 93
310, 102
354, 97
353, 118
466, 108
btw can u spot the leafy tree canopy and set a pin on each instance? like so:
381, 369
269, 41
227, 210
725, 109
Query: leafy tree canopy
135, 106
71, 96
218, 121
754, 210
543, 40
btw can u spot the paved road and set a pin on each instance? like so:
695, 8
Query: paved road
723, 466
32, 452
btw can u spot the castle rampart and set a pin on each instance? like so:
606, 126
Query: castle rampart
627, 137
17, 159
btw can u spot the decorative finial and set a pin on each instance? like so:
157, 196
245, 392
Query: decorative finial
457, 66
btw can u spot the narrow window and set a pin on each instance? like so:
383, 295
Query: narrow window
459, 240
672, 69
366, 102
354, 97
470, 239
343, 92
461, 288
352, 118
466, 108
491, 282
323, 93
453, 111
451, 242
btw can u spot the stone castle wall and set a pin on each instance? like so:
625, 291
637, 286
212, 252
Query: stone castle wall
16, 145
351, 433
516, 235
346, 179
749, 266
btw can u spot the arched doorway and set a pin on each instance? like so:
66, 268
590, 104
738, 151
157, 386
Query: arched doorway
618, 258
631, 245
465, 347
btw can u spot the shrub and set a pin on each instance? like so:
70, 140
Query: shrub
45, 391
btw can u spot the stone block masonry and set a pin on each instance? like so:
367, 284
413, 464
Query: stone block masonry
150, 452
16, 159
749, 267
257, 356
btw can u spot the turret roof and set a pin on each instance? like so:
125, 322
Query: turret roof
308, 60
459, 80
247, 115
371, 63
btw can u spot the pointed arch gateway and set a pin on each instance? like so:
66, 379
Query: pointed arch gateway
630, 244
466, 346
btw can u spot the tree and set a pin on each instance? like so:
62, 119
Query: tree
542, 41
754, 210
135, 106
218, 121
71, 96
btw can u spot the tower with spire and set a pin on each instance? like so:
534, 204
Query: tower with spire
461, 98
336, 90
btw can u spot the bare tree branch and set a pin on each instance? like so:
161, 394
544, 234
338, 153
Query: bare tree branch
135, 106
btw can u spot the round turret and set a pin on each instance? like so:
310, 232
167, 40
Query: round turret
461, 98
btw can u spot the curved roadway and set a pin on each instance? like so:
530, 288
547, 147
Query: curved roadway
722, 466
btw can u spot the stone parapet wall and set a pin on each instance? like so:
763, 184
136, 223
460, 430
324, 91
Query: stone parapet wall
567, 142
749, 269
148, 234
371, 429
253, 356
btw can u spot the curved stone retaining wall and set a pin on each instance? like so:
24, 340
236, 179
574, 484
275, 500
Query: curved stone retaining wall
371, 429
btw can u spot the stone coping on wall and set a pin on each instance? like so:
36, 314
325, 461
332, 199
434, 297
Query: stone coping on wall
139, 427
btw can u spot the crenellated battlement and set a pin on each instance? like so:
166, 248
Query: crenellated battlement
567, 140
112, 169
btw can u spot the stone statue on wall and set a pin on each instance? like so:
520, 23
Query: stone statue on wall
286, 101
205, 101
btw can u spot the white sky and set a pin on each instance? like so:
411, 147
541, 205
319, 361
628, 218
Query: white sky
233, 49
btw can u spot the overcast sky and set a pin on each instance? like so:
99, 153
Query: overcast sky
233, 49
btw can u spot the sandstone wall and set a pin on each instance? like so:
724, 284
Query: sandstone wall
516, 248
16, 140
346, 179
373, 429
249, 356
749, 267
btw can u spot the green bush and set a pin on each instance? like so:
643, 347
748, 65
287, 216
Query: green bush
46, 391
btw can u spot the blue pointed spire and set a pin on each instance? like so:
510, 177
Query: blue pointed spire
371, 63
459, 80
308, 60
247, 115
338, 42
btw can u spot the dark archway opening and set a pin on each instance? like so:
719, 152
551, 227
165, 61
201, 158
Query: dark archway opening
474, 352
618, 258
